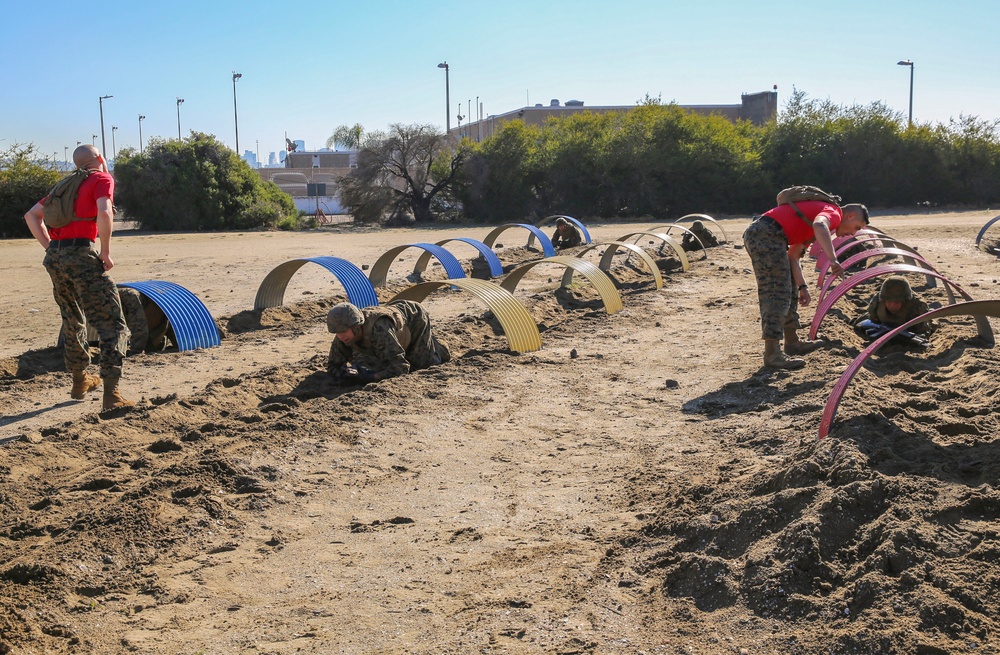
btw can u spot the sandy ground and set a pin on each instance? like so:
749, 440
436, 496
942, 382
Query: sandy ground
639, 485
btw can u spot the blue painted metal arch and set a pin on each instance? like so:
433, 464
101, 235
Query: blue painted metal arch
380, 269
547, 248
548, 219
496, 268
193, 325
360, 291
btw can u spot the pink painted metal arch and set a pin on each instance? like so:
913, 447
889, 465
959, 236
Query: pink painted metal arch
978, 308
885, 241
867, 274
815, 251
908, 258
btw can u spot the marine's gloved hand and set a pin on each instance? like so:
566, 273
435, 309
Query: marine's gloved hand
365, 375
345, 375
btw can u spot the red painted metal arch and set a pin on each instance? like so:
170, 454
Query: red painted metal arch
978, 308
908, 258
869, 273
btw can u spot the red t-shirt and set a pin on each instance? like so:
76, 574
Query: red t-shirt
796, 230
97, 185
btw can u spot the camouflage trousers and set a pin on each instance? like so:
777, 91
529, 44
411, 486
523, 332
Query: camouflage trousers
776, 293
86, 293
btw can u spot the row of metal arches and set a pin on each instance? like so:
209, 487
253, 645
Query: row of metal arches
195, 328
914, 262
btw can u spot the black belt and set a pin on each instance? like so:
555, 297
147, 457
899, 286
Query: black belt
71, 243
768, 219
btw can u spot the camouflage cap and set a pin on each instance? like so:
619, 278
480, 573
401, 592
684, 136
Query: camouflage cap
895, 289
343, 317
561, 221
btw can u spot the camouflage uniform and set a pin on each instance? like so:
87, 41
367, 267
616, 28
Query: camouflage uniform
698, 229
777, 296
898, 289
569, 239
146, 321
395, 339
86, 294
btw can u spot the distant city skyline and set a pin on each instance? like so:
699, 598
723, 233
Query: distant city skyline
337, 64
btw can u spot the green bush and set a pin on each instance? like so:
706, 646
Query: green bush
196, 184
24, 180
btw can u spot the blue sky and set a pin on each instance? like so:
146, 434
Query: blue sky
310, 66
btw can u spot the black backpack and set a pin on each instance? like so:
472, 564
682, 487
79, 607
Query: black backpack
58, 206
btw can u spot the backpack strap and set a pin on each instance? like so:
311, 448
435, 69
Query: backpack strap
800, 214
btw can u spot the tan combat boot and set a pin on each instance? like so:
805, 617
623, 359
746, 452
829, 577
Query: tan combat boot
113, 399
774, 358
796, 346
82, 383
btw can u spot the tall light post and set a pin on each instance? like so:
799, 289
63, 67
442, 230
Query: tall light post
236, 114
907, 62
141, 118
114, 148
447, 96
65, 155
180, 101
93, 140
104, 146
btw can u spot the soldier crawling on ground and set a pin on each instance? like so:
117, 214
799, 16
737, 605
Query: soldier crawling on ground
376, 343
151, 331
566, 235
894, 305
698, 229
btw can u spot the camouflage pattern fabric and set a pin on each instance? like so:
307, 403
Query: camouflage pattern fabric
395, 339
135, 319
705, 235
911, 309
569, 238
86, 293
145, 320
776, 293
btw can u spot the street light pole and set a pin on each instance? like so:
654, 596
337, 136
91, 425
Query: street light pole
104, 146
65, 155
180, 101
141, 118
907, 62
93, 140
236, 113
114, 148
447, 96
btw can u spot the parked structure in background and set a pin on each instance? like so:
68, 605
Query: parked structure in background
758, 108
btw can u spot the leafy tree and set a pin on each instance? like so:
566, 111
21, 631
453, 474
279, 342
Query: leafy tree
350, 137
196, 184
24, 180
499, 179
400, 173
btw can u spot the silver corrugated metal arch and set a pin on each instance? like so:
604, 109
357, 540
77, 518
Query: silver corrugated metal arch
605, 287
360, 292
517, 323
549, 220
611, 249
665, 238
703, 217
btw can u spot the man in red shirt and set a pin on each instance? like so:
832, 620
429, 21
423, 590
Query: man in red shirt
776, 242
82, 287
